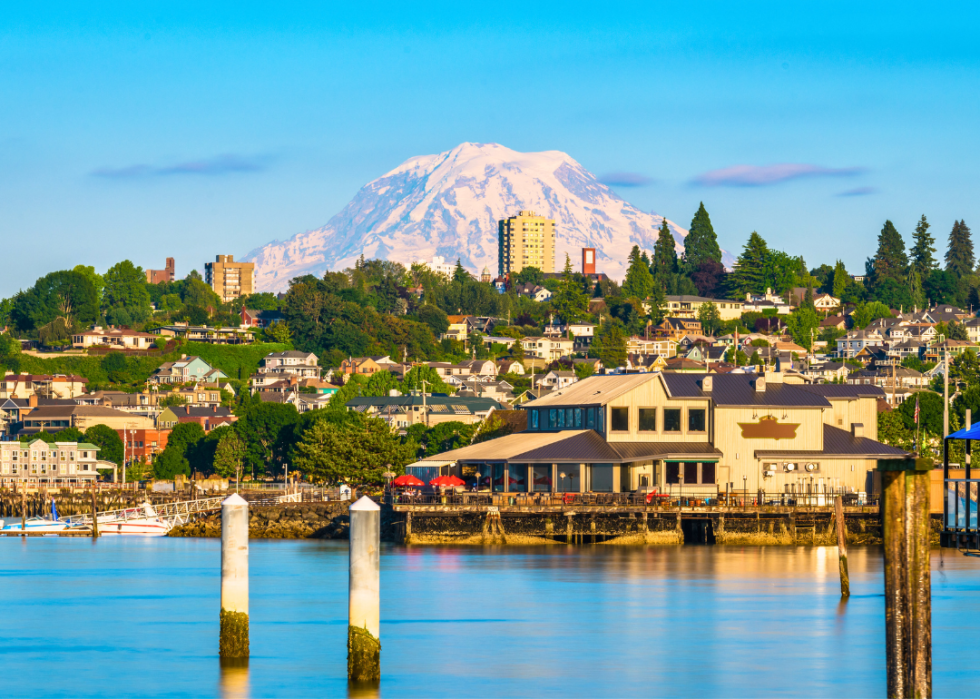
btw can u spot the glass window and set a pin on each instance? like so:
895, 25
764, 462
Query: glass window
552, 419
568, 478
672, 419
541, 475
498, 477
673, 472
695, 420
534, 419
578, 418
602, 478
518, 478
590, 418
561, 419
648, 420
601, 417
620, 421
690, 471
707, 473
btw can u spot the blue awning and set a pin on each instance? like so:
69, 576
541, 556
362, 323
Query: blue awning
972, 433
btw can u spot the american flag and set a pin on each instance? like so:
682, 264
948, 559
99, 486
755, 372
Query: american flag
916, 410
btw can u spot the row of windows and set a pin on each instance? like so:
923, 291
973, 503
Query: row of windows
15, 468
692, 473
23, 456
568, 419
671, 420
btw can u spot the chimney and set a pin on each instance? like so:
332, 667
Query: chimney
760, 384
214, 408
707, 383
32, 400
857, 430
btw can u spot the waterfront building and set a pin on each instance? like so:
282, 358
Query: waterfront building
526, 240
37, 463
229, 279
700, 434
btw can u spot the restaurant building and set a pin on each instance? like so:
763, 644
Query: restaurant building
702, 434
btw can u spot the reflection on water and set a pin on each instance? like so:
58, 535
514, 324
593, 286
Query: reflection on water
234, 681
141, 617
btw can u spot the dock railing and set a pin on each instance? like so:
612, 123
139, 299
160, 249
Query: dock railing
960, 528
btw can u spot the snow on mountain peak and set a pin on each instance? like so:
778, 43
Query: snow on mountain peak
449, 204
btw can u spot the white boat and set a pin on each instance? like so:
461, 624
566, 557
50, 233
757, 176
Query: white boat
135, 521
36, 525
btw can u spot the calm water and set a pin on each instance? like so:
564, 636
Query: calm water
140, 617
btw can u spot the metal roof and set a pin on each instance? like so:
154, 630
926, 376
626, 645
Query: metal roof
739, 389
830, 390
595, 390
840, 443
641, 451
505, 448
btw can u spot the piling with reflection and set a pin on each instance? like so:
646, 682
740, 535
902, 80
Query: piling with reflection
233, 645
364, 605
908, 591
845, 581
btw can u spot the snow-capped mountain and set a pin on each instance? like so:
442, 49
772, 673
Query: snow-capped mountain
449, 204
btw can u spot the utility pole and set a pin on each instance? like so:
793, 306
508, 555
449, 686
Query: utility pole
424, 409
945, 386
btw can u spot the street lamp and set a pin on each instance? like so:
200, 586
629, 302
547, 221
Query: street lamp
744, 489
562, 481
477, 475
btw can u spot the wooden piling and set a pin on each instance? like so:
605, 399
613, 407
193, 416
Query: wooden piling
364, 602
23, 512
845, 581
908, 594
95, 516
233, 639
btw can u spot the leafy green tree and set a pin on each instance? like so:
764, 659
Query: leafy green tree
941, 286
229, 456
171, 400
415, 377
610, 344
197, 293
261, 428
893, 431
89, 273
354, 450
170, 463
108, 441
381, 383
278, 332
890, 261
67, 295
801, 323
750, 275
443, 437
184, 436
583, 370
867, 313
710, 318
701, 243
922, 258
930, 412
570, 301
126, 299
957, 331
435, 318
529, 275
69, 434
959, 254
664, 264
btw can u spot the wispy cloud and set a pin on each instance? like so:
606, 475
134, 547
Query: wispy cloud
763, 175
859, 192
625, 179
226, 164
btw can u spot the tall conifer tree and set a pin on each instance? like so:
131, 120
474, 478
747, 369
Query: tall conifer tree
701, 243
959, 254
841, 279
890, 262
750, 273
638, 281
922, 258
664, 264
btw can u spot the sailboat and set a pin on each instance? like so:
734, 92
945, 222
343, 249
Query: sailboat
38, 525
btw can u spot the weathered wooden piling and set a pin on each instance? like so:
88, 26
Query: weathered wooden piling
95, 517
23, 513
845, 581
364, 605
233, 641
908, 601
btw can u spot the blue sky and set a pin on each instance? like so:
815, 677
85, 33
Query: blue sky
176, 129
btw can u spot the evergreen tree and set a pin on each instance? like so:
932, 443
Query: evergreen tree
890, 261
922, 258
915, 288
841, 280
638, 282
749, 276
959, 255
460, 274
701, 244
570, 302
664, 264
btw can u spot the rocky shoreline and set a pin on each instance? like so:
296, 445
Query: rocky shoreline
286, 521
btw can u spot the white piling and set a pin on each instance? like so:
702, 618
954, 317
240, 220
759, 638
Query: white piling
233, 642
363, 633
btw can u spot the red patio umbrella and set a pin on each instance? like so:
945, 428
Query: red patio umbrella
446, 481
406, 481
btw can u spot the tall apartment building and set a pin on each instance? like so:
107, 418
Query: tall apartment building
526, 240
229, 279
156, 276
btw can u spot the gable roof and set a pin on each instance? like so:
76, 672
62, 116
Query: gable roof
733, 389
595, 390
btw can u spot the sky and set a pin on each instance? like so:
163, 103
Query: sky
145, 130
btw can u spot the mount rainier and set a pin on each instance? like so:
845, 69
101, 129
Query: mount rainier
449, 204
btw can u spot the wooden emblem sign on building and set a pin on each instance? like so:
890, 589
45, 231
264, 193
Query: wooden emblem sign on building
768, 428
